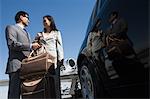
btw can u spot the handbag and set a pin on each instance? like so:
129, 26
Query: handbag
36, 65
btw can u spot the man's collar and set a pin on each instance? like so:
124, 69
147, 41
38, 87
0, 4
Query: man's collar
20, 25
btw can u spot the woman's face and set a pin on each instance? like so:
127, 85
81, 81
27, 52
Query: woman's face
46, 22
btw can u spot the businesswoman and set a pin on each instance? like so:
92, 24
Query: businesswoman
51, 38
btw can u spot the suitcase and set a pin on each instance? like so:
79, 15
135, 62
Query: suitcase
38, 87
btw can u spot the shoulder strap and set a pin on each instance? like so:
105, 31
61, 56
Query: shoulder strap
57, 41
57, 47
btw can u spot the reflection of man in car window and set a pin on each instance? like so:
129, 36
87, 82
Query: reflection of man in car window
118, 27
123, 56
117, 35
94, 42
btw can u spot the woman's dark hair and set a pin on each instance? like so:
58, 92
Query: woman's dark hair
17, 17
53, 26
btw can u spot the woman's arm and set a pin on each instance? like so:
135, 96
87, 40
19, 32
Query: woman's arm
60, 46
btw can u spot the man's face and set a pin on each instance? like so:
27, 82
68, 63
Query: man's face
98, 24
111, 18
25, 20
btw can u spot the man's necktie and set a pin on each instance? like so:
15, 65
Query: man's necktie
26, 32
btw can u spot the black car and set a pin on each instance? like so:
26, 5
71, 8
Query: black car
115, 63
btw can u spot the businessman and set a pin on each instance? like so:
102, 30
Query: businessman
18, 42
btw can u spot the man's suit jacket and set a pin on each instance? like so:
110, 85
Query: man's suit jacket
120, 28
18, 42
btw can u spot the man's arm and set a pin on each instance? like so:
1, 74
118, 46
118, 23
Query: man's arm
13, 44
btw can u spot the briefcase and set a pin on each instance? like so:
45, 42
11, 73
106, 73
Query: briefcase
36, 65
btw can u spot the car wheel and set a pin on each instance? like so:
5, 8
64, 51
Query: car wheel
91, 84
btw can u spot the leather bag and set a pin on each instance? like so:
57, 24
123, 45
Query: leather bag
38, 88
36, 65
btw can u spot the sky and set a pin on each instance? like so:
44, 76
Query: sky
71, 18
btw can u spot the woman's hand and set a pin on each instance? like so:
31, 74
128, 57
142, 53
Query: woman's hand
61, 62
35, 46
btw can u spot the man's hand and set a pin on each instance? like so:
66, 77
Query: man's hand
35, 46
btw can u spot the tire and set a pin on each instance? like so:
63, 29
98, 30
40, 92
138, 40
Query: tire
91, 84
